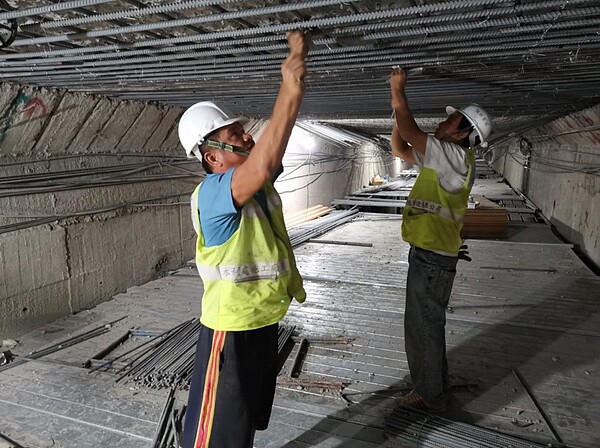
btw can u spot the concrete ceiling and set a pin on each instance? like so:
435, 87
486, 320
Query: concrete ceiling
526, 61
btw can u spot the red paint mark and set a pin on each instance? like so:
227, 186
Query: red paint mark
32, 106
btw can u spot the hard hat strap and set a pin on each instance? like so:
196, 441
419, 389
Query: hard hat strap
197, 153
226, 147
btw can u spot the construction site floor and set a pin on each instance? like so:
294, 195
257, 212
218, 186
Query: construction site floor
519, 306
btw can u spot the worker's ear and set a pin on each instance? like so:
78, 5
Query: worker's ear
461, 134
458, 136
212, 158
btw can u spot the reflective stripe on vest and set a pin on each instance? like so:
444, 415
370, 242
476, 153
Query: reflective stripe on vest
245, 273
432, 207
433, 217
250, 279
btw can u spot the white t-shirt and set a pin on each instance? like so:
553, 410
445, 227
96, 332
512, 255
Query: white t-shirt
448, 160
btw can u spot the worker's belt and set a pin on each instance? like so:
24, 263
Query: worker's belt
244, 273
432, 207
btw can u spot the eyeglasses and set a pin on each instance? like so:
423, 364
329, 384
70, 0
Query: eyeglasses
226, 147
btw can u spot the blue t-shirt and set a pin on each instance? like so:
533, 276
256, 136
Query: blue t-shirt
219, 217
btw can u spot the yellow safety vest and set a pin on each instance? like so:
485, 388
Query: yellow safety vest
250, 279
432, 218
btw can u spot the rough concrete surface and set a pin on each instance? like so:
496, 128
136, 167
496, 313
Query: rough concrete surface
141, 129
27, 118
65, 123
47, 271
161, 131
94, 123
50, 271
117, 126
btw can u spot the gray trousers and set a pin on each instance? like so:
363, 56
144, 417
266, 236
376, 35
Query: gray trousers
428, 288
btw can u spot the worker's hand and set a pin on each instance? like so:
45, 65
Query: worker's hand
397, 84
463, 253
398, 80
298, 42
293, 68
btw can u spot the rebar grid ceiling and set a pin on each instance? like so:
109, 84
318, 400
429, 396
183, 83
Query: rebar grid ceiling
525, 61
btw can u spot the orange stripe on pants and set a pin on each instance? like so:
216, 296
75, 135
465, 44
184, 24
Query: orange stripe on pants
211, 381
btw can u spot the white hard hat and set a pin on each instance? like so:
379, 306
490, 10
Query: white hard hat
479, 118
200, 120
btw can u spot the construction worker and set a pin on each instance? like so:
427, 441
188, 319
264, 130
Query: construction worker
431, 224
245, 260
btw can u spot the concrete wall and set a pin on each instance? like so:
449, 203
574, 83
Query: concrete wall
41, 122
562, 178
100, 240
49, 271
79, 260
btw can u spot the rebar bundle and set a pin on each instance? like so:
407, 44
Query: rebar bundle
167, 360
425, 430
320, 226
170, 424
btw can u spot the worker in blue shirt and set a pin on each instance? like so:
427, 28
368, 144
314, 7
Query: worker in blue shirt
245, 260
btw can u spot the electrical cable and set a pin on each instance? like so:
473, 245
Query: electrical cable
75, 156
51, 218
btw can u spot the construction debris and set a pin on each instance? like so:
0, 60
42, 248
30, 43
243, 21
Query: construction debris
5, 357
168, 362
333, 386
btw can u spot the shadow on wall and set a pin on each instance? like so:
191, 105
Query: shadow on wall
572, 236
536, 327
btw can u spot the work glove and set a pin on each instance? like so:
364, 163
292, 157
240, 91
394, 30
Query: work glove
463, 253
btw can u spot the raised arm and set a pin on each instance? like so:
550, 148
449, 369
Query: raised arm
265, 157
400, 148
405, 125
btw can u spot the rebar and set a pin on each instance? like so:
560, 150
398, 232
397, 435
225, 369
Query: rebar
50, 8
130, 13
286, 7
429, 431
169, 362
63, 344
320, 226
164, 420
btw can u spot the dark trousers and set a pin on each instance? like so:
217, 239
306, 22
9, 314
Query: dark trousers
428, 289
232, 388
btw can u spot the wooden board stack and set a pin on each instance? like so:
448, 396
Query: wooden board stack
487, 220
